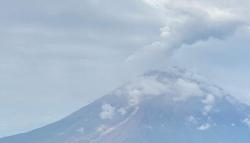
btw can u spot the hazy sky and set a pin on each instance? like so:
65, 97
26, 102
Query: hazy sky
59, 55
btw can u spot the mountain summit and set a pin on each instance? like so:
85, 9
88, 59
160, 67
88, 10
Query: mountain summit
159, 107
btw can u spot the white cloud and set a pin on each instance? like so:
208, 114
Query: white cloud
192, 119
246, 121
81, 130
108, 111
209, 99
208, 102
185, 89
144, 87
122, 111
101, 128
204, 127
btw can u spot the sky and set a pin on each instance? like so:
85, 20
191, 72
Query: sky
57, 56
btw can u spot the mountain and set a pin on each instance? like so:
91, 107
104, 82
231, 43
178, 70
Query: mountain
159, 107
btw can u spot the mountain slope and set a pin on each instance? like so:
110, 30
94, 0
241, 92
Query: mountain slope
159, 107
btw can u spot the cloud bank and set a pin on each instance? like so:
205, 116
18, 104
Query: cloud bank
60, 50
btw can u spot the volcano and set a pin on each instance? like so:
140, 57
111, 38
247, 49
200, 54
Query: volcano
174, 106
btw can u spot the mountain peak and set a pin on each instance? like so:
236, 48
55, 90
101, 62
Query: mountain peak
157, 107
174, 84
